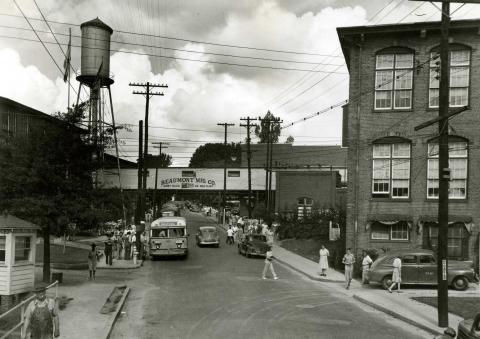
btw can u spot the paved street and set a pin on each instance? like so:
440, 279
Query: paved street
216, 293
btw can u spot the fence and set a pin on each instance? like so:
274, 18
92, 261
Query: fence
22, 306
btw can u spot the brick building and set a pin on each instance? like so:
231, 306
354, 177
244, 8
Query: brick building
393, 170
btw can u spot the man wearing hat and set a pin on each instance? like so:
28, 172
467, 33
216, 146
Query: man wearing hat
41, 316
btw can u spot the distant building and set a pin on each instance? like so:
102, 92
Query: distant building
393, 170
18, 120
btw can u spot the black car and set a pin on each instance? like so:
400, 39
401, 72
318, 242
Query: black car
253, 245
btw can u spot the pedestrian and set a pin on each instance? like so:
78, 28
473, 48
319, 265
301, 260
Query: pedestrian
235, 232
397, 274
348, 260
323, 262
230, 235
127, 246
366, 263
269, 235
92, 262
119, 247
269, 264
41, 316
108, 252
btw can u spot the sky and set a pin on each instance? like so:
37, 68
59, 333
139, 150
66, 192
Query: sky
222, 61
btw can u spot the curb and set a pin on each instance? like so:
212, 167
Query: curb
312, 277
63, 266
139, 264
395, 315
117, 311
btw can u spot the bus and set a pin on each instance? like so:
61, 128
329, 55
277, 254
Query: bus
168, 237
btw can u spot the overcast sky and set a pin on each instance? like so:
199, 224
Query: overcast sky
202, 93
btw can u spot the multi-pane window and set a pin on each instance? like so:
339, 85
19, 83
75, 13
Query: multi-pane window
458, 164
459, 78
2, 248
456, 243
304, 207
22, 248
397, 231
391, 170
393, 81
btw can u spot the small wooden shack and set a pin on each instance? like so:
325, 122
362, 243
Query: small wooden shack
17, 255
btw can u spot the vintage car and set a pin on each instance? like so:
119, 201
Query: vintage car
253, 245
207, 235
419, 267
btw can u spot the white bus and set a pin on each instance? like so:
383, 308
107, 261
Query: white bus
168, 237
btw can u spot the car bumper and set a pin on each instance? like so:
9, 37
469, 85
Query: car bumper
169, 252
209, 242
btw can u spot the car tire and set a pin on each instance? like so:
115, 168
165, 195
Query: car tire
387, 281
460, 283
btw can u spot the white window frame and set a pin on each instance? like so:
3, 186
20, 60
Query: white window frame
455, 67
29, 249
387, 235
391, 159
304, 209
397, 83
457, 150
399, 225
3, 247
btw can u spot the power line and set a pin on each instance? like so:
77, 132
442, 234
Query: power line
183, 59
185, 40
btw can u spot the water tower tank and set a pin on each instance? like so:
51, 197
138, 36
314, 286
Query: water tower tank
95, 52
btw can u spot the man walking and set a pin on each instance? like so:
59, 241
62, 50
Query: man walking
41, 317
268, 264
108, 252
348, 260
230, 235
366, 262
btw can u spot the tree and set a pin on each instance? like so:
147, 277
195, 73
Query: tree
213, 155
161, 161
290, 140
261, 131
46, 178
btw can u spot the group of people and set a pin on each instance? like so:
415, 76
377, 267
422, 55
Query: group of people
349, 260
116, 247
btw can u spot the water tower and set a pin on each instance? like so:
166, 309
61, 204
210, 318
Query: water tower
95, 71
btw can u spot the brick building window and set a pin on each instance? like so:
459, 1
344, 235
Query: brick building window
394, 231
457, 243
391, 171
458, 164
459, 78
393, 80
304, 207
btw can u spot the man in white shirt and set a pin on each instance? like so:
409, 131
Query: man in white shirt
235, 232
366, 262
230, 235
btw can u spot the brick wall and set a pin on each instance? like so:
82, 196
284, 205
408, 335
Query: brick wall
365, 125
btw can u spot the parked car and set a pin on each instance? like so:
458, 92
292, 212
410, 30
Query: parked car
208, 235
419, 267
253, 245
469, 328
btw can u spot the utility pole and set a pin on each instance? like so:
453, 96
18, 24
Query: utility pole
249, 158
160, 144
443, 162
225, 125
148, 94
138, 209
271, 122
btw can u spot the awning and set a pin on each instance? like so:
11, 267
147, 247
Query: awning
388, 219
465, 219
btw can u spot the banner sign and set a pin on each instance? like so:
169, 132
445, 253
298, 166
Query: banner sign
187, 183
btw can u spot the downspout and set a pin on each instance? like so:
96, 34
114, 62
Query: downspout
357, 146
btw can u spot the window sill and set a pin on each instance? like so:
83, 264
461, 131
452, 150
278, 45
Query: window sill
399, 110
23, 263
455, 201
390, 241
390, 200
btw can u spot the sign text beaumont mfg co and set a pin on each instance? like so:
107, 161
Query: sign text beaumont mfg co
192, 181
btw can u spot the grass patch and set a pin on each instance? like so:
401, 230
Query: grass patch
72, 255
308, 248
465, 307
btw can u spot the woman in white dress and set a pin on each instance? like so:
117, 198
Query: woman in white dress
323, 262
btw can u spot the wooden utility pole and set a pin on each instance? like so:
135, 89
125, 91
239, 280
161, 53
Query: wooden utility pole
443, 162
249, 158
225, 125
148, 94
138, 209
160, 144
